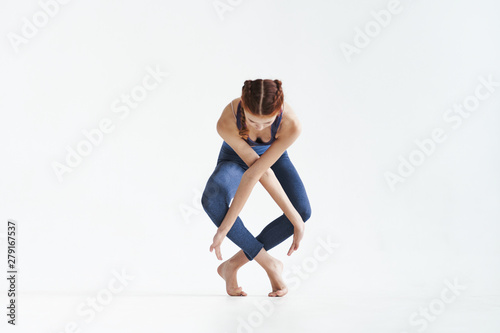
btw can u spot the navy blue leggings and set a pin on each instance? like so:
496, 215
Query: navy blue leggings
221, 188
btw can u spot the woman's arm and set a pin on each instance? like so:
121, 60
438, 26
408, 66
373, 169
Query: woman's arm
274, 188
250, 177
259, 168
246, 186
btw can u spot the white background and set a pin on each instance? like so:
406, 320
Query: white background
133, 203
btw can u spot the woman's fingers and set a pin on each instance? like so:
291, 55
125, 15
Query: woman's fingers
297, 237
216, 245
295, 245
292, 248
217, 252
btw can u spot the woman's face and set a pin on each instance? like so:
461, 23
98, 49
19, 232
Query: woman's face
258, 122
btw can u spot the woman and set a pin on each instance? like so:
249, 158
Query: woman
257, 129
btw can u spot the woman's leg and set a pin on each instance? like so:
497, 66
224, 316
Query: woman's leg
219, 191
281, 228
272, 266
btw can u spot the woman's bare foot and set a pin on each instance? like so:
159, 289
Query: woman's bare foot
228, 271
274, 271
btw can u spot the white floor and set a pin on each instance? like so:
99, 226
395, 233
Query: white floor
221, 313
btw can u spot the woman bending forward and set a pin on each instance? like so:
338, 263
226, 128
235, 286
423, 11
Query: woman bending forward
256, 129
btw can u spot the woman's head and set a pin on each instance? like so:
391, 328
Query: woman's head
261, 101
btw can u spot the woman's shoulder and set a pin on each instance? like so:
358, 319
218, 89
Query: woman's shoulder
289, 120
228, 117
234, 103
289, 113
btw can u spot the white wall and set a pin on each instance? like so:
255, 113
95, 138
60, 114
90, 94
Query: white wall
121, 207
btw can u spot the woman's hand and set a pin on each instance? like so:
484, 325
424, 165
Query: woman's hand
218, 238
298, 233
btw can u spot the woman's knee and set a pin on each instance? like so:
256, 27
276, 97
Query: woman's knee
205, 201
215, 207
217, 193
215, 189
213, 195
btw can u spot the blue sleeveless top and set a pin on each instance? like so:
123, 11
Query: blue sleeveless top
259, 142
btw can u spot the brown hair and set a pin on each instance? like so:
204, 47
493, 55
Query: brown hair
262, 97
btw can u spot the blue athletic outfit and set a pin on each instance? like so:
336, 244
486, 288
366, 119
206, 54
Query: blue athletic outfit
225, 179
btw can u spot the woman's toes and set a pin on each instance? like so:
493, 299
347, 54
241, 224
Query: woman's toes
278, 293
237, 292
281, 292
242, 293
